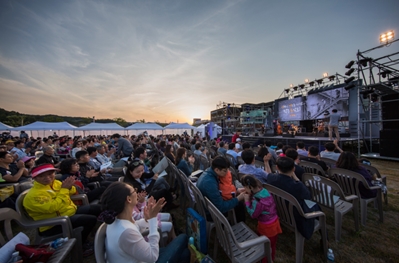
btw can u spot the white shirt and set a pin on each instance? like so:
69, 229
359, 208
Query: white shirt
124, 242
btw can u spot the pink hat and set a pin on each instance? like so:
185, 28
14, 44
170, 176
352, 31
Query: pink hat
27, 158
42, 168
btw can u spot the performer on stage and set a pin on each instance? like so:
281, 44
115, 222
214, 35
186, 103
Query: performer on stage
293, 129
333, 124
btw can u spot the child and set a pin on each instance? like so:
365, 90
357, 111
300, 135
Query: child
260, 205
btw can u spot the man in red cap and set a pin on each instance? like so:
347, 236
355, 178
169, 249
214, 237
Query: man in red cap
49, 198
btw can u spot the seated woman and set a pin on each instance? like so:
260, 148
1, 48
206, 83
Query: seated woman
157, 187
289, 182
70, 167
181, 163
169, 153
348, 161
49, 198
124, 242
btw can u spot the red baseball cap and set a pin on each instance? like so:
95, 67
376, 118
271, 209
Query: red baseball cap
42, 168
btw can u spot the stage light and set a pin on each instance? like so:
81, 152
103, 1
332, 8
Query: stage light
306, 80
385, 73
319, 81
311, 83
348, 80
295, 88
331, 78
325, 74
364, 61
350, 64
349, 72
291, 85
228, 105
228, 117
301, 86
384, 38
374, 97
350, 86
287, 91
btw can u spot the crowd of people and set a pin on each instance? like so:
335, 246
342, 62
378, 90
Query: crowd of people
59, 167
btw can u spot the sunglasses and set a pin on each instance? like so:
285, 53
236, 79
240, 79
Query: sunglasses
137, 163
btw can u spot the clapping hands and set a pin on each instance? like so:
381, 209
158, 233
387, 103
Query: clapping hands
152, 208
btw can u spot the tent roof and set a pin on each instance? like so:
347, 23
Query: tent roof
40, 125
185, 125
95, 126
4, 127
145, 126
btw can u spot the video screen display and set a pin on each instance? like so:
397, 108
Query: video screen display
291, 110
318, 103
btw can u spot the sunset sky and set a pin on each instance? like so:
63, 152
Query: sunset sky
175, 60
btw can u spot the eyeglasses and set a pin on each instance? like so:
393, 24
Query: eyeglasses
135, 191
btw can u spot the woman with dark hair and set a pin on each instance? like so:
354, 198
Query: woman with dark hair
348, 161
124, 242
157, 187
70, 167
169, 153
76, 147
181, 163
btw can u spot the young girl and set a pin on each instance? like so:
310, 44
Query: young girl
260, 205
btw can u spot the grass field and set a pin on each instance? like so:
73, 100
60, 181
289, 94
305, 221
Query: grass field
375, 242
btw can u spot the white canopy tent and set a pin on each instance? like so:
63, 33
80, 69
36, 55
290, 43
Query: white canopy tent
47, 128
96, 128
178, 128
203, 129
5, 127
150, 127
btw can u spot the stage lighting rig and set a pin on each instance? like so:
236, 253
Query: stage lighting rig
325, 75
295, 88
331, 78
319, 81
386, 37
301, 86
348, 80
349, 72
311, 83
350, 86
350, 64
364, 61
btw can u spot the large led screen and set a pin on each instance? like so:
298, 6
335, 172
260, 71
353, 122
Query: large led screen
290, 110
318, 103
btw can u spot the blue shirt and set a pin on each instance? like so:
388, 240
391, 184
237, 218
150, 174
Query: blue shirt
334, 119
259, 173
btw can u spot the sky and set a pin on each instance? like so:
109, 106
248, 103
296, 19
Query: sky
175, 60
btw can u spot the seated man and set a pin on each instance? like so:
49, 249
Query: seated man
95, 163
88, 171
289, 182
208, 184
103, 156
49, 198
293, 154
11, 172
48, 157
330, 151
300, 148
19, 149
222, 149
232, 151
125, 148
313, 157
248, 157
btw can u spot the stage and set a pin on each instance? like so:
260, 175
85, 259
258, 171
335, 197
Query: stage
347, 142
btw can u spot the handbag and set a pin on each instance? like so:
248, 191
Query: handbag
34, 253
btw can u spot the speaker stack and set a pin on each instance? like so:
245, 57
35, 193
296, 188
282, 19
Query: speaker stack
389, 135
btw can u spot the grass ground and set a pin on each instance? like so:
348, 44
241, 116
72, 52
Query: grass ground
375, 242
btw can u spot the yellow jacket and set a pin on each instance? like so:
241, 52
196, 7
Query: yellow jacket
49, 201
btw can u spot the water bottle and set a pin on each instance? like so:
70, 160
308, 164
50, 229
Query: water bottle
330, 255
58, 242
191, 241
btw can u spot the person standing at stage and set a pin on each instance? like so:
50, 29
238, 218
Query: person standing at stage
236, 136
333, 124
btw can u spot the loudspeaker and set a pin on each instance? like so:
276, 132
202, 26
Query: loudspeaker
390, 111
389, 143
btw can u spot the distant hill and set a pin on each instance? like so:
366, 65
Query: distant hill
16, 119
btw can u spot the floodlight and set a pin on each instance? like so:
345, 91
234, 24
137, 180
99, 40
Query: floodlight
325, 74
311, 83
349, 72
384, 38
306, 80
364, 61
350, 64
385, 73
331, 78
301, 86
348, 80
295, 88
319, 81
291, 85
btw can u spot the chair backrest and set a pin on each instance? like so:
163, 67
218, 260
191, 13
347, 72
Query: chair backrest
99, 244
231, 159
199, 205
371, 169
197, 162
6, 216
240, 160
20, 207
285, 204
324, 191
348, 180
223, 229
329, 162
204, 162
312, 168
